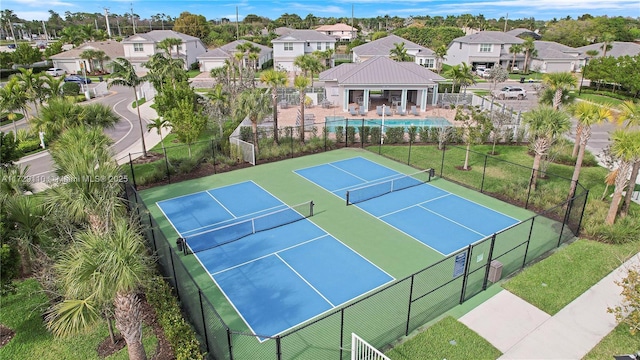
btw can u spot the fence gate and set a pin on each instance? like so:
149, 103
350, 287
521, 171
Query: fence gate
361, 350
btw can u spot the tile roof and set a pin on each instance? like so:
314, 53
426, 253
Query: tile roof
489, 37
113, 49
229, 49
554, 50
156, 36
383, 46
304, 35
381, 71
619, 48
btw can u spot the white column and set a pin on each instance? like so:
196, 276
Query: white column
423, 100
345, 100
435, 95
403, 100
365, 99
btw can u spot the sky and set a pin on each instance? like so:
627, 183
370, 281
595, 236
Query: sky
216, 9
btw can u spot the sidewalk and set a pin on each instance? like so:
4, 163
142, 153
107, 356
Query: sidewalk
151, 138
522, 331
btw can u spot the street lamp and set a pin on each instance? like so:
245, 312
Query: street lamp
584, 69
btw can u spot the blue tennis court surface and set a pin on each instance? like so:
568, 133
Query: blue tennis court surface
275, 278
436, 218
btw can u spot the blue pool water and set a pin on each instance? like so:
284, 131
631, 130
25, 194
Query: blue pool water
333, 121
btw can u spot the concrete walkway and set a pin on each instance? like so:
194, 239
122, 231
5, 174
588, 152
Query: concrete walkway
522, 331
151, 138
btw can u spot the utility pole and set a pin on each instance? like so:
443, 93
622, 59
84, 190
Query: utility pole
106, 18
237, 25
96, 21
133, 20
119, 32
44, 27
13, 35
505, 22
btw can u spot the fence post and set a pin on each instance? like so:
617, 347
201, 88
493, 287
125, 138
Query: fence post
292, 143
409, 157
230, 344
204, 320
166, 163
484, 171
467, 264
278, 348
346, 132
584, 205
526, 249
362, 135
133, 173
565, 220
153, 233
444, 147
406, 331
341, 332
380, 141
526, 203
173, 271
488, 266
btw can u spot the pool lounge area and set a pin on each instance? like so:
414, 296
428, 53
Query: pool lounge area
331, 122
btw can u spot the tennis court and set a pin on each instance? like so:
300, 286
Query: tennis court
437, 218
274, 266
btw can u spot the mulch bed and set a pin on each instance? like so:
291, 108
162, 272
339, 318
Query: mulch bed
6, 335
163, 351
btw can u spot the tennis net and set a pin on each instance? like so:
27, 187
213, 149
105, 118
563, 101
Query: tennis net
229, 233
374, 190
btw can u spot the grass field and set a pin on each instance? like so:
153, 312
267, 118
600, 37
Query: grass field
23, 311
601, 99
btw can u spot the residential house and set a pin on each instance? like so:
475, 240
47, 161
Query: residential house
71, 61
379, 81
139, 48
618, 49
215, 58
340, 31
553, 57
299, 42
522, 33
484, 49
383, 46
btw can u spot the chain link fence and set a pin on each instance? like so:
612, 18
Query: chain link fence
397, 309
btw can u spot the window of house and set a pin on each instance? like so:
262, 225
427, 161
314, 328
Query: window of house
308, 44
327, 46
138, 47
319, 46
288, 46
485, 47
429, 63
178, 48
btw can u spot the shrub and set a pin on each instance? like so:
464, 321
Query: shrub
177, 331
70, 89
29, 145
246, 134
395, 135
351, 134
413, 131
339, 134
375, 135
434, 134
423, 133
364, 131
507, 135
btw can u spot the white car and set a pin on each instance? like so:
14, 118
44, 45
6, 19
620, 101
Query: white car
55, 72
511, 92
483, 72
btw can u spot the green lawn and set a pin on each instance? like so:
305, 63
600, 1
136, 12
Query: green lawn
557, 280
618, 342
446, 339
193, 73
22, 312
533, 75
601, 99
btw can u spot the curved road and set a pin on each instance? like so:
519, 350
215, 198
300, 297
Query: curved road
124, 134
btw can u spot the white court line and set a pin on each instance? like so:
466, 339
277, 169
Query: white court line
453, 221
486, 207
305, 280
409, 207
264, 256
168, 219
224, 207
345, 171
247, 217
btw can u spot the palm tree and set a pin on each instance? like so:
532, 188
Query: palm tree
32, 85
607, 40
529, 48
254, 104
309, 64
54, 86
81, 154
13, 97
89, 55
99, 270
558, 82
515, 49
625, 146
545, 125
158, 124
100, 56
454, 73
630, 117
466, 77
220, 101
399, 53
57, 116
168, 44
301, 83
274, 79
124, 74
441, 54
588, 114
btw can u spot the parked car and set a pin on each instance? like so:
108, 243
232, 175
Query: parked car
480, 71
511, 92
55, 72
77, 79
11, 46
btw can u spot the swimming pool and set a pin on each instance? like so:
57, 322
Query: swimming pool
333, 121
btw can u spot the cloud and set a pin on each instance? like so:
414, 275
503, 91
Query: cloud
38, 3
33, 15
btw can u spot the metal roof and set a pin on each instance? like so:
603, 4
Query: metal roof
383, 46
381, 71
304, 36
619, 48
489, 37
